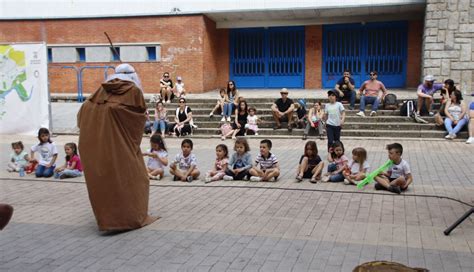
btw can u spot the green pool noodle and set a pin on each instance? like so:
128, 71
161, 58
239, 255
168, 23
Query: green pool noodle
370, 177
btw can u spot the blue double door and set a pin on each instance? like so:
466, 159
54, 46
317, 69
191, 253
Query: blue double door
267, 57
362, 48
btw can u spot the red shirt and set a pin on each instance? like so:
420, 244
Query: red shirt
75, 158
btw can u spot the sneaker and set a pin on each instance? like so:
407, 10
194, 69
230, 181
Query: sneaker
361, 114
228, 118
351, 108
207, 179
168, 102
290, 128
395, 189
453, 136
431, 113
347, 182
211, 115
255, 179
448, 136
189, 179
304, 137
373, 113
157, 177
378, 186
417, 113
228, 178
470, 140
223, 119
325, 179
10, 170
256, 133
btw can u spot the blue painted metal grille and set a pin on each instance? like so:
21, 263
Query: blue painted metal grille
363, 48
267, 58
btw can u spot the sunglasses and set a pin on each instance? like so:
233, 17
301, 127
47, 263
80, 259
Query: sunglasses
166, 76
373, 74
181, 101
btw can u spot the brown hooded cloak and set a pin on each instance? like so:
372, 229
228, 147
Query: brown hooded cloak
111, 126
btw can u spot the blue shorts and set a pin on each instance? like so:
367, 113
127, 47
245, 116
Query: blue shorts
471, 106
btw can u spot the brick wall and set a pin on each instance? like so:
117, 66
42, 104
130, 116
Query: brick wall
448, 41
313, 56
415, 39
183, 48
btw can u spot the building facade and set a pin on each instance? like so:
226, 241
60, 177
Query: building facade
258, 44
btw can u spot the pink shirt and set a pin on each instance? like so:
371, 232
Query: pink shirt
341, 161
372, 88
76, 159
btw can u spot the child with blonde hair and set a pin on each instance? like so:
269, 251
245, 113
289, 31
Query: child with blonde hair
19, 158
240, 162
357, 167
157, 157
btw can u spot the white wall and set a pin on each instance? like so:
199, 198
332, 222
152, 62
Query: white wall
40, 9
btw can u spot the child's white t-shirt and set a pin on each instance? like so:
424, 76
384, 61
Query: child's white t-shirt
398, 170
355, 167
155, 163
179, 87
46, 152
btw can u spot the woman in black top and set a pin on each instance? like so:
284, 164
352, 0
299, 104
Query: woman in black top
166, 88
182, 119
240, 119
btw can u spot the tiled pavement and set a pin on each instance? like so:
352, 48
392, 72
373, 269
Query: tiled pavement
282, 226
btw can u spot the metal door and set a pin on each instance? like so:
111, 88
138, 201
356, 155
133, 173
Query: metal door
363, 48
267, 58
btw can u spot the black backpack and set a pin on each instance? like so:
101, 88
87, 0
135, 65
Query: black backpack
404, 108
390, 102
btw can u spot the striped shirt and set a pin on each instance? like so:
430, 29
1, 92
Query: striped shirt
266, 163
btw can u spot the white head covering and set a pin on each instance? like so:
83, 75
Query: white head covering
126, 72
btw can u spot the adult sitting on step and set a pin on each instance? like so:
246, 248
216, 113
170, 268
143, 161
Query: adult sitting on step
183, 120
346, 88
425, 93
456, 115
233, 97
166, 88
282, 110
374, 93
446, 92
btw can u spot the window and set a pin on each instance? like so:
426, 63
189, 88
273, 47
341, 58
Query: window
114, 56
81, 53
50, 55
151, 50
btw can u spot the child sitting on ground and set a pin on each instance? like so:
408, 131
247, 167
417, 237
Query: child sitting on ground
398, 176
220, 165
310, 165
337, 163
252, 122
240, 162
18, 159
73, 167
357, 167
157, 157
48, 154
269, 169
184, 166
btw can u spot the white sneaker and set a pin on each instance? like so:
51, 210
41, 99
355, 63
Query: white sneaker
361, 114
453, 136
431, 113
256, 133
208, 179
373, 113
223, 119
346, 182
325, 179
255, 179
227, 178
211, 115
470, 140
228, 119
448, 136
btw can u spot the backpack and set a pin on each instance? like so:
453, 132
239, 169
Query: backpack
390, 102
225, 128
404, 108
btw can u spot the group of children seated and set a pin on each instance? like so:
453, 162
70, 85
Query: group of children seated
265, 167
45, 165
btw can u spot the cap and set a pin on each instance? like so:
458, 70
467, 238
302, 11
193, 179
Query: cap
429, 78
179, 78
284, 90
302, 102
333, 92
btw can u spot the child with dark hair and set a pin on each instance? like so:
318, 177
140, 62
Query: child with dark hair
184, 166
157, 157
73, 167
334, 116
266, 166
397, 178
357, 167
252, 122
310, 165
220, 164
48, 154
240, 162
19, 158
337, 163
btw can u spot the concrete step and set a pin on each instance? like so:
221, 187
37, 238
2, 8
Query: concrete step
297, 133
349, 118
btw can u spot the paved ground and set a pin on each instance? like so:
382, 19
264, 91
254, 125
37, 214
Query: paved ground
233, 226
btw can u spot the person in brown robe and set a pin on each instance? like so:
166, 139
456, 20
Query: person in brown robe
111, 124
6, 212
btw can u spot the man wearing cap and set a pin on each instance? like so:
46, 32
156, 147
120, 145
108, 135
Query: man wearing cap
111, 125
425, 93
345, 87
282, 110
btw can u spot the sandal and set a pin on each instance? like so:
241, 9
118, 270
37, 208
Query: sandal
313, 180
299, 178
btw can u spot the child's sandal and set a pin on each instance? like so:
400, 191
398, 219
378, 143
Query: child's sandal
313, 180
299, 178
